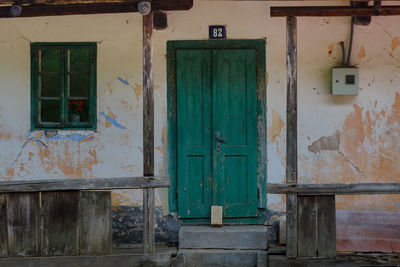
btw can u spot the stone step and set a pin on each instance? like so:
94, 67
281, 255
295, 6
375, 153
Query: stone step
226, 237
220, 258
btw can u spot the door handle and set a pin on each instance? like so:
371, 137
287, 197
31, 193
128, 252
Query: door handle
219, 139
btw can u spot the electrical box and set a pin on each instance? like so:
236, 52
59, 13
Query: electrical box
344, 81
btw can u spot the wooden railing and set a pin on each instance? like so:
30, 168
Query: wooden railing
80, 185
311, 231
334, 188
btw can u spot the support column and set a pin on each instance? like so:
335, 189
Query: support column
148, 134
291, 136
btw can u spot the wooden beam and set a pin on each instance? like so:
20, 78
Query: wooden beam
84, 184
291, 135
333, 11
334, 188
148, 133
10, 2
94, 8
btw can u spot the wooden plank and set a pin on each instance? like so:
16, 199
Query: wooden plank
3, 226
95, 223
60, 223
291, 226
291, 103
50, 2
84, 184
148, 134
335, 188
307, 225
291, 135
94, 8
333, 11
148, 221
326, 226
23, 223
148, 97
121, 258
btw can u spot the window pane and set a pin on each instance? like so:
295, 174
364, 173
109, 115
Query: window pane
79, 59
78, 111
51, 59
50, 85
79, 85
50, 111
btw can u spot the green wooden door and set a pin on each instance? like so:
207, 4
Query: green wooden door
216, 132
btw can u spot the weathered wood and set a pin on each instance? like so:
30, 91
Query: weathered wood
94, 8
60, 223
291, 135
148, 97
3, 226
23, 223
148, 221
326, 226
306, 226
335, 188
121, 257
333, 11
95, 223
291, 103
148, 134
291, 226
84, 184
316, 226
160, 20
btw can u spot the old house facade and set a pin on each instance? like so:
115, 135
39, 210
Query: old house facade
209, 133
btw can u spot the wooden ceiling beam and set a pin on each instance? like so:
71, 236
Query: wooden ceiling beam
333, 11
94, 8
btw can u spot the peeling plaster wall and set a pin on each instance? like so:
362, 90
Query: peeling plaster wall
341, 138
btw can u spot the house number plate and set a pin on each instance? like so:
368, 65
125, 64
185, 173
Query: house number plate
217, 32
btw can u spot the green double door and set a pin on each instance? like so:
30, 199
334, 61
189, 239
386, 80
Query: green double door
216, 132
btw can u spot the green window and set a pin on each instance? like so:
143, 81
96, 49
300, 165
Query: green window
63, 90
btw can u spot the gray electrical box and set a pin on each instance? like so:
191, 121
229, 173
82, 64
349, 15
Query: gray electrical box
344, 81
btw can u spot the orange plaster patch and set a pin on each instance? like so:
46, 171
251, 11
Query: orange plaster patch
111, 115
126, 104
395, 43
118, 199
274, 131
5, 136
110, 89
369, 151
330, 50
10, 172
163, 139
138, 91
361, 54
73, 164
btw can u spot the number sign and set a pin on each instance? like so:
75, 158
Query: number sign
217, 32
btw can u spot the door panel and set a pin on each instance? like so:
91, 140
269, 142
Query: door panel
194, 133
216, 132
235, 131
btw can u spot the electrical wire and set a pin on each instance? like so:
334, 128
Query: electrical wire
343, 53
350, 42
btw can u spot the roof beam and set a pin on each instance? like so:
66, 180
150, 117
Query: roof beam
333, 11
94, 8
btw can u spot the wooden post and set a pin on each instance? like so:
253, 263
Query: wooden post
291, 136
148, 134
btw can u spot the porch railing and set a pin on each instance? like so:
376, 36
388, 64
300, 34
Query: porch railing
146, 183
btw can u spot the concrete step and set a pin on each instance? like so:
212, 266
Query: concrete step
220, 258
226, 237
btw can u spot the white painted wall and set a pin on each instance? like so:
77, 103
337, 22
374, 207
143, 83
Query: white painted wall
368, 124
